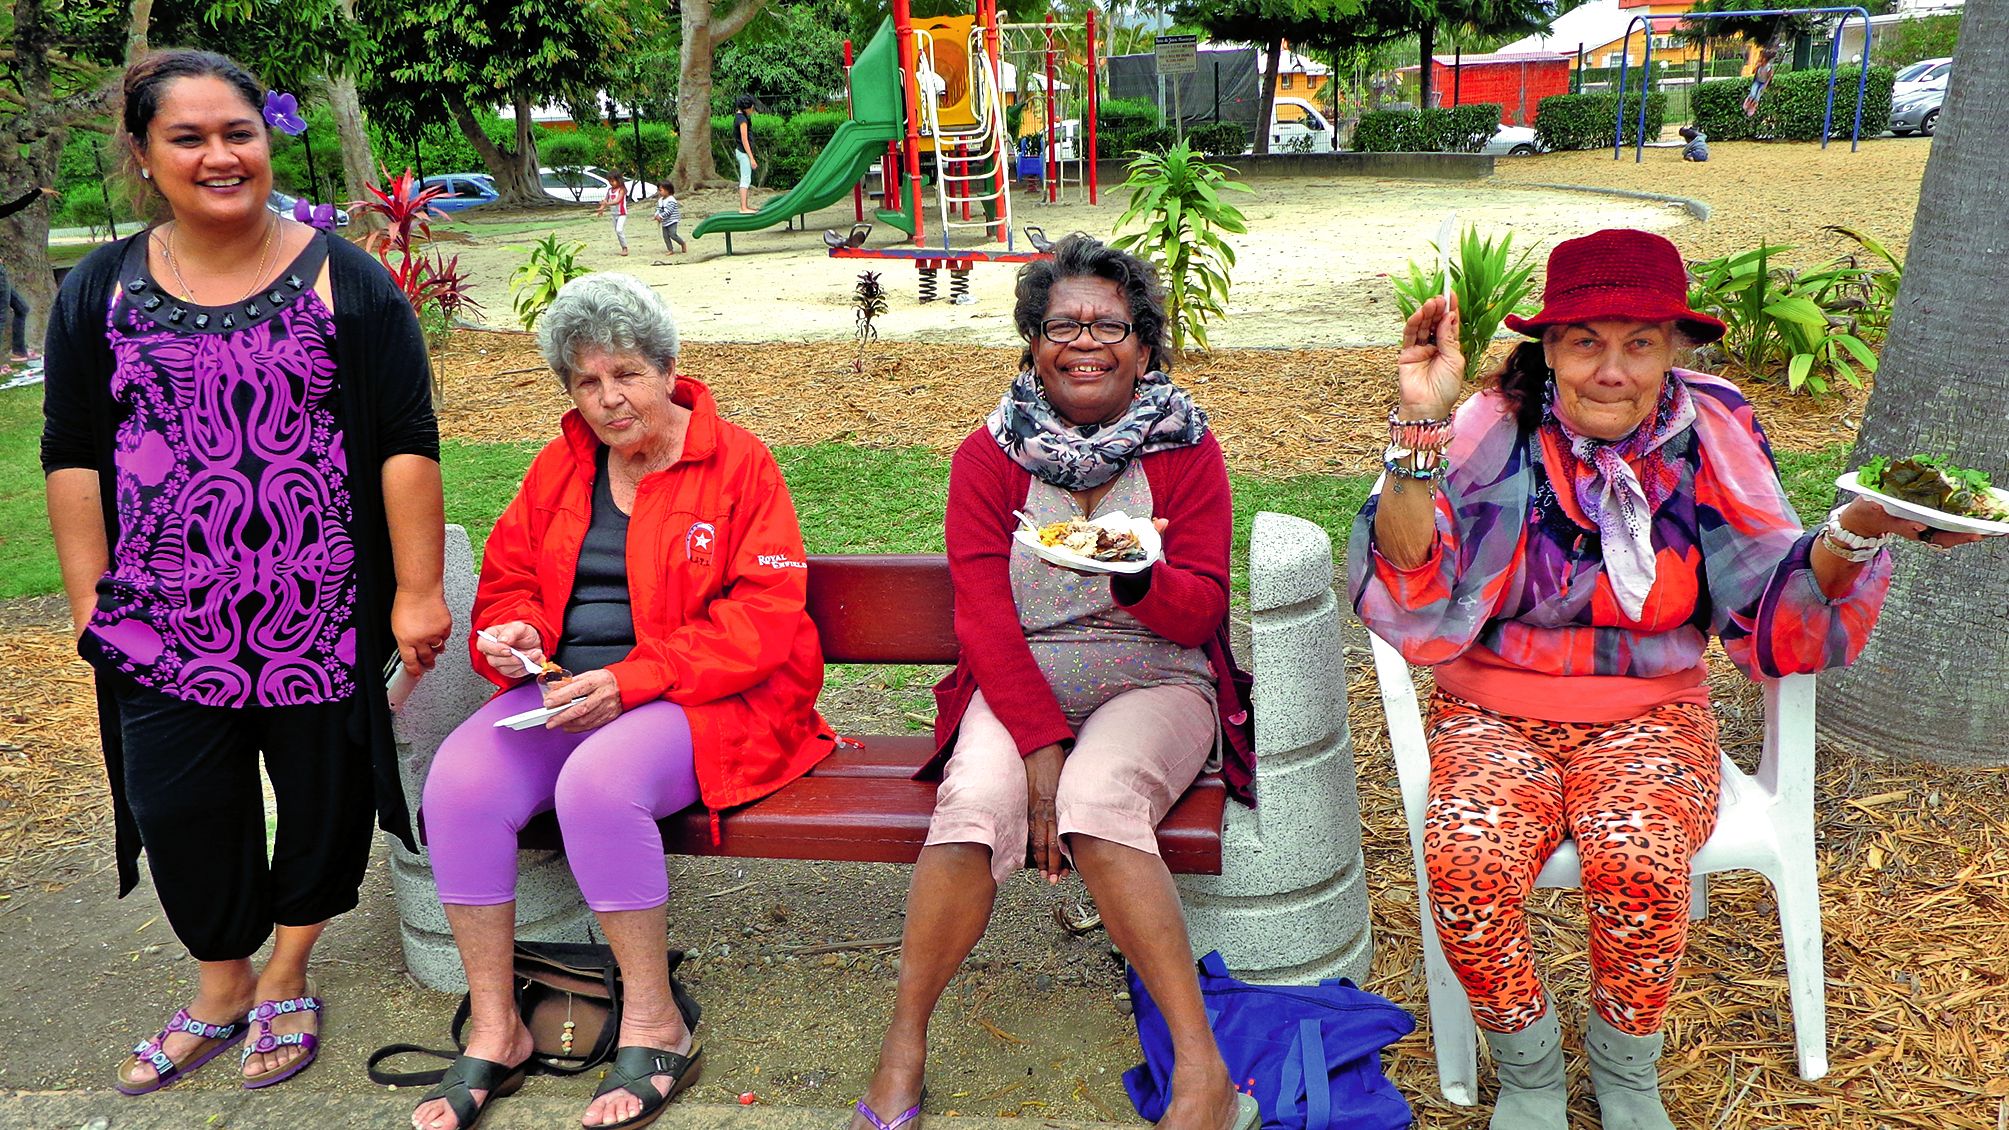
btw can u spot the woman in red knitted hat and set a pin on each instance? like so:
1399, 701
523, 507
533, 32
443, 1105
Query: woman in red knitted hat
1560, 552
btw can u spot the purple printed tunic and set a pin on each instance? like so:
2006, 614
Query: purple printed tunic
233, 582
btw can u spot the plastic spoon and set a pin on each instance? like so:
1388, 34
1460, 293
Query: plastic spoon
530, 666
1446, 232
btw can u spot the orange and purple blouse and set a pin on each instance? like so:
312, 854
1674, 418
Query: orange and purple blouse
1512, 608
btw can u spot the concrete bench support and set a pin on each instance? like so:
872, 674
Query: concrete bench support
1290, 904
548, 906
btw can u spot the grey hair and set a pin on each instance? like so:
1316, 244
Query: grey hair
608, 311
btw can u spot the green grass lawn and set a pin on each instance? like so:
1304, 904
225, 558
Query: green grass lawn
849, 499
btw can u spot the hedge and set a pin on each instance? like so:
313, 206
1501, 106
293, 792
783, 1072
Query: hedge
1793, 106
1584, 121
1219, 139
1124, 115
1457, 129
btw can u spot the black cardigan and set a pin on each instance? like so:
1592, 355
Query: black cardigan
386, 391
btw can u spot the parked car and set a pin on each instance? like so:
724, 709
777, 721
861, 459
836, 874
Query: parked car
587, 185
1917, 112
1926, 74
1512, 141
281, 203
463, 191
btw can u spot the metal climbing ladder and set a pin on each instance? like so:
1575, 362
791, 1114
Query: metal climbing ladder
959, 149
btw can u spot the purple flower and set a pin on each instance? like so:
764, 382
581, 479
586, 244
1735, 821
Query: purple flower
282, 112
316, 215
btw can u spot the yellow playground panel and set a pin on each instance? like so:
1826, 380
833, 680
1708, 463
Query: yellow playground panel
945, 65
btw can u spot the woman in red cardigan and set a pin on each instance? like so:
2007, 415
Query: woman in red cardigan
1082, 705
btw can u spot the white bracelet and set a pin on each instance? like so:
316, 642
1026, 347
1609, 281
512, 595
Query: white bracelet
1847, 543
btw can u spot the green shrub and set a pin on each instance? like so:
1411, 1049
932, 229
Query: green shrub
1122, 115
659, 150
1718, 108
1458, 129
440, 149
1584, 121
543, 273
1151, 139
1490, 283
1793, 106
1219, 139
1179, 201
772, 144
1802, 325
817, 126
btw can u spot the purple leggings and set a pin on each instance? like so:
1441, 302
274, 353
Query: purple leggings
609, 786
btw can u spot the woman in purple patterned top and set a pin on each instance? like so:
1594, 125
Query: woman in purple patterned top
245, 494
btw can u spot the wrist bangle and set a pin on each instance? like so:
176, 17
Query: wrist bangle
1843, 536
1847, 553
1418, 435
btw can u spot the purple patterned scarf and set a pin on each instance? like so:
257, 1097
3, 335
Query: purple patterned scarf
1618, 484
1161, 415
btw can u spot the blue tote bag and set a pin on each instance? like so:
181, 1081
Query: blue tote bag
1311, 1055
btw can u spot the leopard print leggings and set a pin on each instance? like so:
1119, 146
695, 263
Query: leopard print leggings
1639, 799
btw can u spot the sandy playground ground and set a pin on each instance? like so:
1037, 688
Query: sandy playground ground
1311, 271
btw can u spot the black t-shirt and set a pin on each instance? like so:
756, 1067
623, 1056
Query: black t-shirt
742, 119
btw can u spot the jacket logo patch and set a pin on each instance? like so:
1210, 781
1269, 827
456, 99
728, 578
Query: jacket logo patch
781, 561
698, 543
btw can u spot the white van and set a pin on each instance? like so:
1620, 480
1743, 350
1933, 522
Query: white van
1296, 126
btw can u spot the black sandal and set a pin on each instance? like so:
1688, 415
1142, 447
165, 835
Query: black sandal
470, 1074
634, 1066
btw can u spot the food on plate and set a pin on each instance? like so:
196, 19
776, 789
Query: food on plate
1925, 480
1096, 542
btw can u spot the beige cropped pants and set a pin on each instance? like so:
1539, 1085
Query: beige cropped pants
1132, 760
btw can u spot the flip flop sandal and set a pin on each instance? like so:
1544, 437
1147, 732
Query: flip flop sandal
909, 1117
468, 1075
633, 1068
166, 1071
309, 1043
1248, 1112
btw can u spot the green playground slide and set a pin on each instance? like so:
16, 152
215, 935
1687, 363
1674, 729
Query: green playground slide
875, 120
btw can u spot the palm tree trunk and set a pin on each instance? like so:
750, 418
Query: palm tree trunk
1934, 681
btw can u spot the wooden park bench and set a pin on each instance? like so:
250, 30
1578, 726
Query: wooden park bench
861, 803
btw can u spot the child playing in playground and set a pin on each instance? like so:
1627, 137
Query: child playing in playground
1696, 144
669, 214
617, 199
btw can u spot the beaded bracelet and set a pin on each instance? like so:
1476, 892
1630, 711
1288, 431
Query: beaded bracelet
1418, 435
1846, 543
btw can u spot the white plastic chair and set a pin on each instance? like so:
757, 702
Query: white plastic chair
1764, 823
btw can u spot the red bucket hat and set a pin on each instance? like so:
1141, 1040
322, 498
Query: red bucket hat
1617, 273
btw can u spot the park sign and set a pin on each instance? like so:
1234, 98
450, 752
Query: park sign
1177, 54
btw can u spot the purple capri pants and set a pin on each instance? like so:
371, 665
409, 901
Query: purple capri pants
609, 787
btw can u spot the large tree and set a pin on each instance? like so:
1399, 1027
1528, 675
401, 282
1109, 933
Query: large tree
61, 74
1934, 681
704, 24
437, 61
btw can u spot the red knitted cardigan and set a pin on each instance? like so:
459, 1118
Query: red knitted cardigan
1184, 598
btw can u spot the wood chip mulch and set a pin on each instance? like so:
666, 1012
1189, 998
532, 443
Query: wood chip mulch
1276, 412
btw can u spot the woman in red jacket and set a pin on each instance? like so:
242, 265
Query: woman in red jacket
653, 549
1082, 705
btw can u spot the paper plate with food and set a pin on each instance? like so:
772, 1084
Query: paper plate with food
1931, 490
1113, 543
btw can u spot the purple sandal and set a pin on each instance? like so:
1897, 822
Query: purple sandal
309, 1043
166, 1071
911, 1114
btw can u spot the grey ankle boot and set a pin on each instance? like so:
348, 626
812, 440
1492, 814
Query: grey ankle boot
1530, 1066
1625, 1073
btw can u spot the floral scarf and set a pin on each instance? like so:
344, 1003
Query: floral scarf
1161, 415
1618, 484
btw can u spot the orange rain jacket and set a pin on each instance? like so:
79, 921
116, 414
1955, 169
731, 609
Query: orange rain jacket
717, 578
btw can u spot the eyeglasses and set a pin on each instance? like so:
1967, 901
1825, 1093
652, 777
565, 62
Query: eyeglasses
1060, 331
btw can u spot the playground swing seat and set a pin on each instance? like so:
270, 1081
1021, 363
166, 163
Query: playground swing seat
1764, 823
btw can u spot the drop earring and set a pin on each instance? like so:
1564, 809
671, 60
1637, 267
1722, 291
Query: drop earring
146, 174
